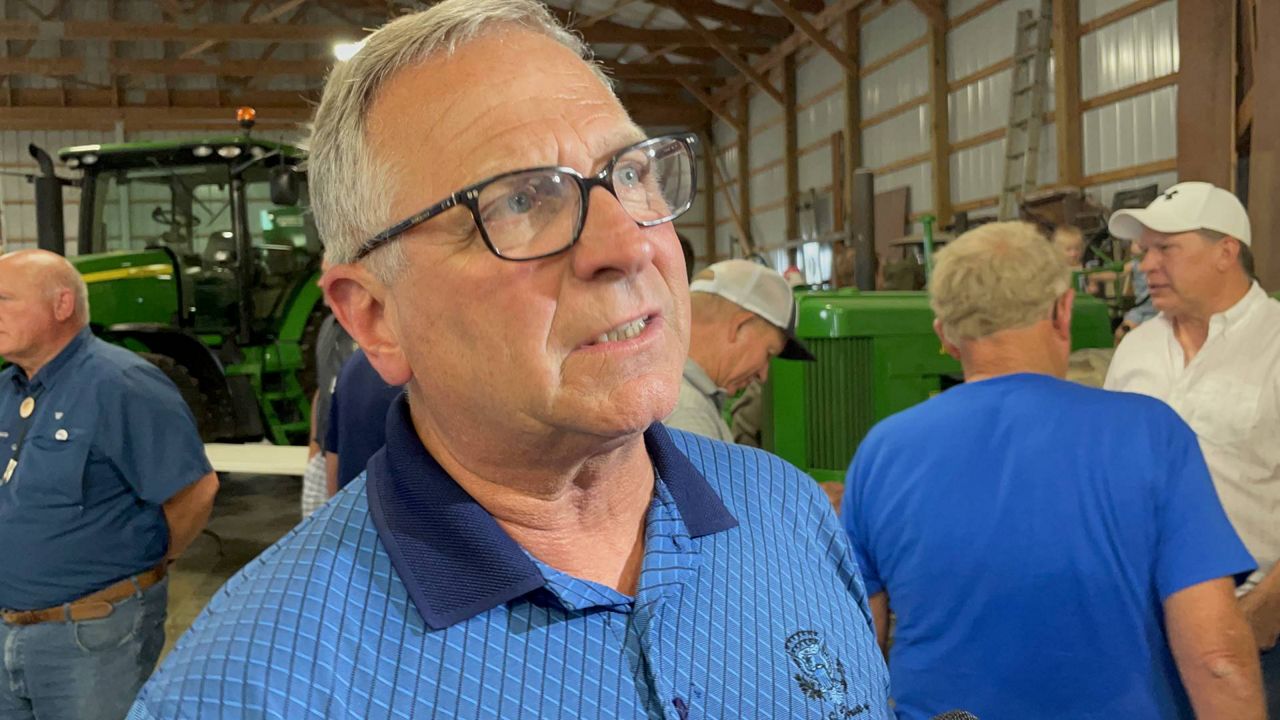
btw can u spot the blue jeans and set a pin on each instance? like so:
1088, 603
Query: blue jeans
89, 670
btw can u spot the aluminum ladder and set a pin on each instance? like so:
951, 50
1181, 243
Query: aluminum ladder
1027, 91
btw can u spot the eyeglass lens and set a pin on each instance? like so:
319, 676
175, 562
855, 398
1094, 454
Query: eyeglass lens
537, 213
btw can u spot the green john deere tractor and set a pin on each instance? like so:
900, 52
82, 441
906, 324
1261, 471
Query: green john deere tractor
876, 355
201, 256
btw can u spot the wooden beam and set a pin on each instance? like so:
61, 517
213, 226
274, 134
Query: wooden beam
940, 125
729, 54
716, 109
683, 116
853, 133
606, 14
878, 9
906, 162
852, 27
661, 71
613, 33
1066, 68
811, 6
1244, 115
709, 186
1264, 149
790, 144
775, 28
126, 31
744, 173
972, 13
818, 37
982, 74
1141, 88
976, 140
934, 11
895, 111
1206, 92
1131, 172
832, 14
898, 54
1133, 8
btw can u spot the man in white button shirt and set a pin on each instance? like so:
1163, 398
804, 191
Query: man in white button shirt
1213, 354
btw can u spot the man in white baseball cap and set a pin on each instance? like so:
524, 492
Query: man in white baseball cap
1213, 354
744, 315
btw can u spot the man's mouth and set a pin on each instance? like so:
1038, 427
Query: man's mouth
625, 331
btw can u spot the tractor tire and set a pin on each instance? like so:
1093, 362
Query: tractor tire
189, 388
307, 346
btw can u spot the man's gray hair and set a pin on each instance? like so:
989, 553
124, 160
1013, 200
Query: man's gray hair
349, 191
998, 276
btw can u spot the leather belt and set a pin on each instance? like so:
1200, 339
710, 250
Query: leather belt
94, 606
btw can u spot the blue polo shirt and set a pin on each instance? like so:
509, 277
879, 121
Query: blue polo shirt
358, 416
404, 598
110, 440
1028, 531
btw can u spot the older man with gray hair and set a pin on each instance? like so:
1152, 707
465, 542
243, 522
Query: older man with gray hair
1050, 550
104, 482
531, 542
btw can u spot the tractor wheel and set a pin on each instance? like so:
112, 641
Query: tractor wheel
189, 388
307, 346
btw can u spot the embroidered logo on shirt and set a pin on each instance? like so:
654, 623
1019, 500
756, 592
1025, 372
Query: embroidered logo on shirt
819, 678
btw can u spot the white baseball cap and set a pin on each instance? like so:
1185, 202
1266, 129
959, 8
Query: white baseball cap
1186, 207
757, 289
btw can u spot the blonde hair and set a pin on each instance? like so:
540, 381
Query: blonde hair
349, 191
999, 276
1064, 234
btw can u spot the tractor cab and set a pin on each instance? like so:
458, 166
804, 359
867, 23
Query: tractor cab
228, 211
200, 254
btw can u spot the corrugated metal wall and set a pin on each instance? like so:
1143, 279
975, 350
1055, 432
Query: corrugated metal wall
1134, 132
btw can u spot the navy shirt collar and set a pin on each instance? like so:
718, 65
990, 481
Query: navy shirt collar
47, 374
453, 557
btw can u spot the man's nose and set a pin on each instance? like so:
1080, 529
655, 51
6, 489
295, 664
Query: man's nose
611, 241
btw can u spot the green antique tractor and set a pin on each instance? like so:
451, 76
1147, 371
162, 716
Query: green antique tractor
201, 255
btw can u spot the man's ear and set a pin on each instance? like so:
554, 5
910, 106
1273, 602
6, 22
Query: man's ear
64, 304
1062, 316
951, 348
738, 324
361, 304
1228, 253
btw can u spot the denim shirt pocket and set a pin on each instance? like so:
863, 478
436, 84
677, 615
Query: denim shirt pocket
51, 467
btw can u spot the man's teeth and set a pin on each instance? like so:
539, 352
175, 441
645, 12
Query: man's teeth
625, 332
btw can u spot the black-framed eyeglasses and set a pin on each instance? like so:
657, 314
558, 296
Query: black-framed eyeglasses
539, 212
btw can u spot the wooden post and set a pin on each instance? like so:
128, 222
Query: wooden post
744, 168
709, 194
1264, 155
852, 106
1066, 64
941, 125
790, 149
1206, 91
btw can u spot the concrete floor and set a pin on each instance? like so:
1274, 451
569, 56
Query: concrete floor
251, 513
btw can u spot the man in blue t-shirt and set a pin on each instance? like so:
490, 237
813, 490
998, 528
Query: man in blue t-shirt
357, 425
1049, 550
103, 483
